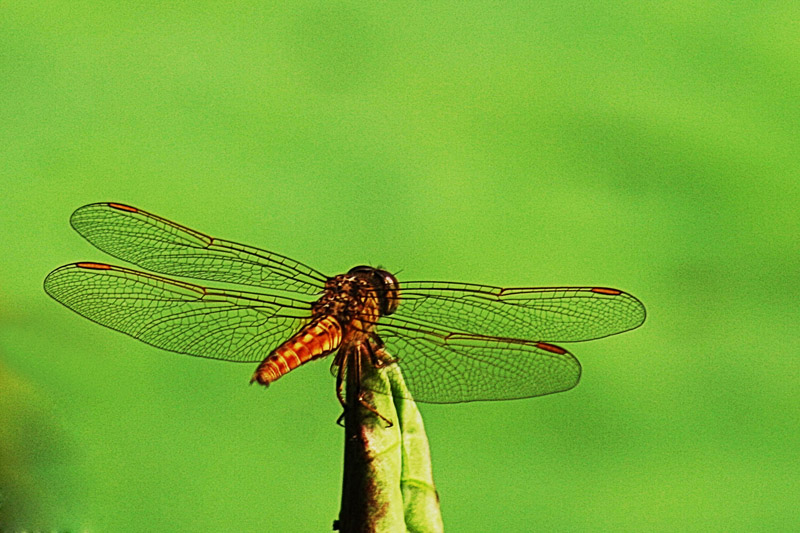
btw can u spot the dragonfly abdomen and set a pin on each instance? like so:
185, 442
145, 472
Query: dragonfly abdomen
319, 338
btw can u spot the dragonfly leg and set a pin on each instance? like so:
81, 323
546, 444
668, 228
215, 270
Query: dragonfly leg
360, 395
340, 385
354, 358
377, 354
374, 411
340, 375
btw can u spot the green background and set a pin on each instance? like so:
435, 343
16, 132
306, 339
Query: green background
649, 147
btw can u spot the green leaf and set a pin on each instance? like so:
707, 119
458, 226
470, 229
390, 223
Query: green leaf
388, 482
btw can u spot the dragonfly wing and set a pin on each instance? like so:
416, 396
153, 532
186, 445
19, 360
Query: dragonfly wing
160, 245
560, 314
442, 367
178, 316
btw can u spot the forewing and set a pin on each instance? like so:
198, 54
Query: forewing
560, 314
442, 367
160, 245
178, 316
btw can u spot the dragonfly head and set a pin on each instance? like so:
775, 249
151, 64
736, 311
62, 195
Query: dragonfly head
385, 285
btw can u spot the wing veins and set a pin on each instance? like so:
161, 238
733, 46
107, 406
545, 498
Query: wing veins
176, 315
161, 245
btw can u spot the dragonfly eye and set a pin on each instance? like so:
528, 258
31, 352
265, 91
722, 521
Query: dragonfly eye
390, 296
385, 283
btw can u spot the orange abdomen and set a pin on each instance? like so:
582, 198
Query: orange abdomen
319, 338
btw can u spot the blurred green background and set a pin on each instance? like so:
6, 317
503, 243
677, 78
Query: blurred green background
649, 147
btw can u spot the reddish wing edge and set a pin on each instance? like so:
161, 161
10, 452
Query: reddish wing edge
123, 207
93, 266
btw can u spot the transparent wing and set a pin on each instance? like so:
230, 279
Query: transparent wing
160, 245
445, 367
559, 314
178, 316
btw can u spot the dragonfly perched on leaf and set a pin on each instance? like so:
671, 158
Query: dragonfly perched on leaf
455, 342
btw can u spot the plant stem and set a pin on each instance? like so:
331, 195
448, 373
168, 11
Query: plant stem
387, 484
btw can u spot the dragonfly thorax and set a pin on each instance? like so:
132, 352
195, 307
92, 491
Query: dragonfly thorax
359, 298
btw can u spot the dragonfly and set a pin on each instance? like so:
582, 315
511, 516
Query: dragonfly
454, 342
